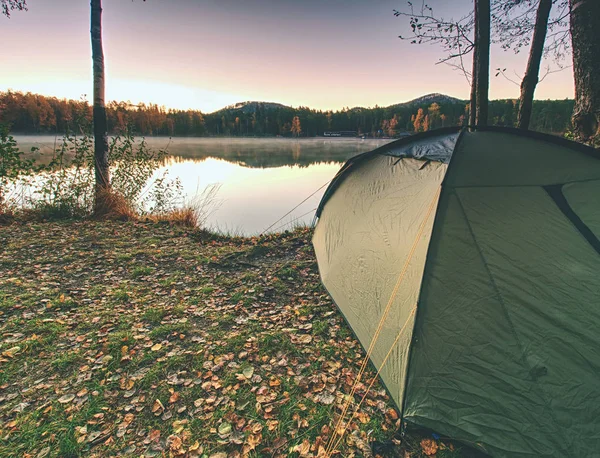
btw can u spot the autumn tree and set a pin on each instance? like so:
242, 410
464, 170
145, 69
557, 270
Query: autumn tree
433, 113
296, 128
419, 121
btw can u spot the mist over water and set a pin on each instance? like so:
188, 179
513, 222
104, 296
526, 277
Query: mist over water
259, 180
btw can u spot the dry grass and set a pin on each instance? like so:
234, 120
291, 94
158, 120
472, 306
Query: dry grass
186, 217
114, 206
195, 212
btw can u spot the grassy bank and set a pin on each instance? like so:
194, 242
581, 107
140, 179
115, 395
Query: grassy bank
130, 339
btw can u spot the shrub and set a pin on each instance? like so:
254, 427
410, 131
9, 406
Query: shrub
14, 170
65, 187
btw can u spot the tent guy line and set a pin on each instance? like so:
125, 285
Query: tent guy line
371, 383
289, 212
387, 309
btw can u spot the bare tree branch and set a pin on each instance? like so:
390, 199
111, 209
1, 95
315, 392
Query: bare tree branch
502, 71
512, 26
549, 71
11, 5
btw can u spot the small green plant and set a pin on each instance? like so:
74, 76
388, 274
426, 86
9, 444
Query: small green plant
320, 327
120, 295
236, 297
141, 271
14, 170
154, 315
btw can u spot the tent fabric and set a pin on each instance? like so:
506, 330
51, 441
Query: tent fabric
364, 248
438, 149
503, 352
447, 134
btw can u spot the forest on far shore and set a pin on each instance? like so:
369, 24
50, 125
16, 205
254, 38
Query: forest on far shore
28, 113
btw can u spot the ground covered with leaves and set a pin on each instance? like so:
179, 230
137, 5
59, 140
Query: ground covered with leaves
142, 339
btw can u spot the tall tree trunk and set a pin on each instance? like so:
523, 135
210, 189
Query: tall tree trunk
531, 78
473, 99
482, 55
100, 122
585, 34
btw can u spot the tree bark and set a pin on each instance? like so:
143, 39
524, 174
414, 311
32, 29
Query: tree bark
585, 35
531, 78
473, 99
482, 55
101, 165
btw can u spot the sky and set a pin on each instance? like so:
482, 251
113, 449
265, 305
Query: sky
206, 54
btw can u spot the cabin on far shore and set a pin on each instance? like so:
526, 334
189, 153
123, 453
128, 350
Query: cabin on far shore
341, 133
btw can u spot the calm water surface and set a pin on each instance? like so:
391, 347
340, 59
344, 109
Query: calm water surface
259, 180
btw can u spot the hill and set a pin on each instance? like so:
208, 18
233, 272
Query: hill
254, 106
428, 99
251, 107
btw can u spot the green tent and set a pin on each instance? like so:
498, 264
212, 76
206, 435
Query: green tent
486, 246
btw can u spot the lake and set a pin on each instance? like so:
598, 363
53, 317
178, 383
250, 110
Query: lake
259, 180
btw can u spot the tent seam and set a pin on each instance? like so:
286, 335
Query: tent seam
524, 185
561, 201
423, 275
508, 318
338, 178
553, 139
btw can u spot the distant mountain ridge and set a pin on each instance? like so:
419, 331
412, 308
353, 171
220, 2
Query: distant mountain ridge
28, 113
251, 106
428, 99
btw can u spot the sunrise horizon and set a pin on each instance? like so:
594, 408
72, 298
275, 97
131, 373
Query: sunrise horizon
326, 56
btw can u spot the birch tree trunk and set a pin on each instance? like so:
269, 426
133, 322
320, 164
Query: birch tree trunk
101, 166
473, 99
482, 56
531, 78
585, 35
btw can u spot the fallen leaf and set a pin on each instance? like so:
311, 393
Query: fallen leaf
303, 449
158, 407
11, 352
174, 442
305, 339
429, 446
392, 414
178, 426
43, 452
65, 399
325, 398
224, 430
248, 372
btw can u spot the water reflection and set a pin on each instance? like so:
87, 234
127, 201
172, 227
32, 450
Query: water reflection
251, 199
260, 179
264, 153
